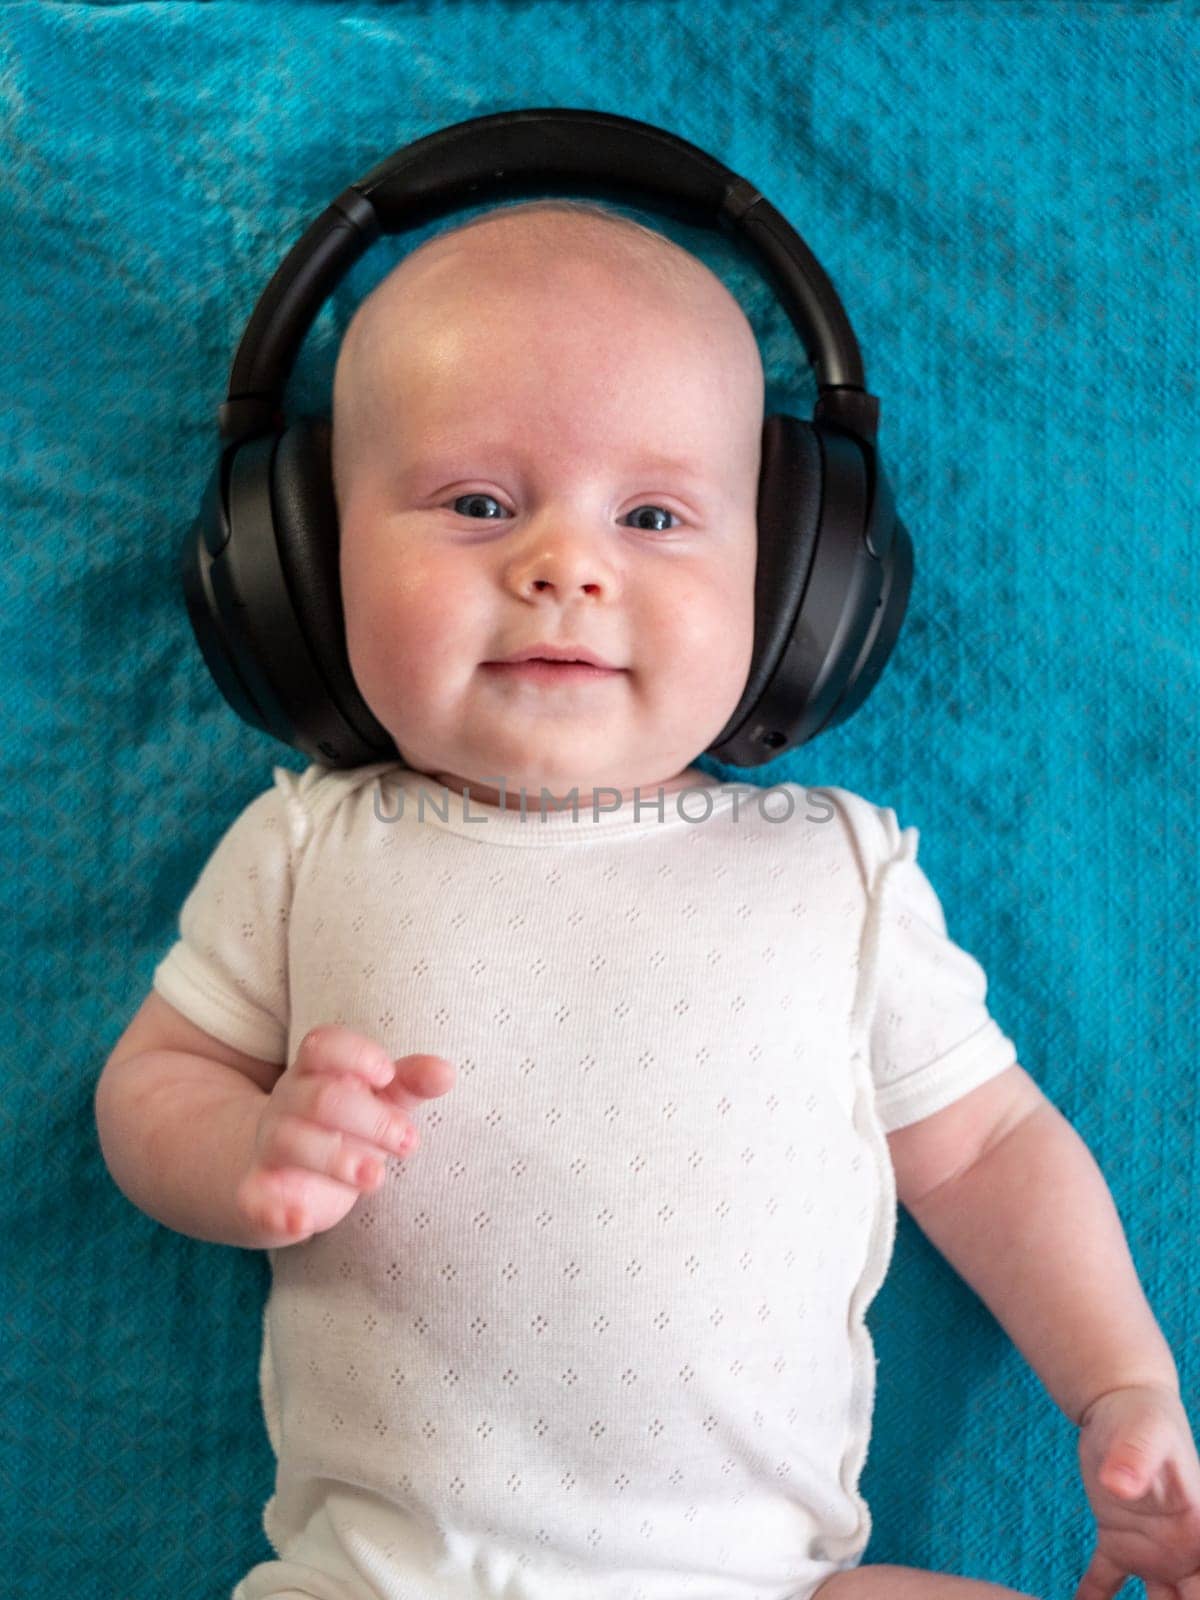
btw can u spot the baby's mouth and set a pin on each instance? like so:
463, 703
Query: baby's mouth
537, 669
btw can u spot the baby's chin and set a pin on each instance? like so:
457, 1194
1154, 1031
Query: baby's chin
566, 758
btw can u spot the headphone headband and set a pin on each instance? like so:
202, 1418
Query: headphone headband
533, 154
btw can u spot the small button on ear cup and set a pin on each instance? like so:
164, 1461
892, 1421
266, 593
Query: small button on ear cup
881, 637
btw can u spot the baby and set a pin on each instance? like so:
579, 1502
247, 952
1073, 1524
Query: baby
674, 1047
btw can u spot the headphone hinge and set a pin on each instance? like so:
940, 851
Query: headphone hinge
853, 410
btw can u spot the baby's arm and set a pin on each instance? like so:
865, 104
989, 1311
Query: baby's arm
1031, 1225
176, 1114
234, 1150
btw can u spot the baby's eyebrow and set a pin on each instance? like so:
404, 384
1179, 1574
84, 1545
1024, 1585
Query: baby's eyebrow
434, 462
660, 463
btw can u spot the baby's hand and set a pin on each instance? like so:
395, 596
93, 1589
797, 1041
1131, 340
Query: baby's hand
328, 1126
1142, 1477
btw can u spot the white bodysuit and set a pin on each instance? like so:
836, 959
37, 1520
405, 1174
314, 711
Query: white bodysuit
601, 1337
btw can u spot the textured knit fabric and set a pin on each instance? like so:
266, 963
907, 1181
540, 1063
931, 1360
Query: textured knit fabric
604, 1329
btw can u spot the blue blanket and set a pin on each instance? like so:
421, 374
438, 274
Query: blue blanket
1006, 197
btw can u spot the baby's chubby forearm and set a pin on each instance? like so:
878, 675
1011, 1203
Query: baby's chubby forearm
177, 1133
201, 1149
1033, 1228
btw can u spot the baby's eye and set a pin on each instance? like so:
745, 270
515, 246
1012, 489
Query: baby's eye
664, 511
478, 495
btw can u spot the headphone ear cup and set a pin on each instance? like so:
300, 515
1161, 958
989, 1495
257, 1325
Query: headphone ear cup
830, 588
306, 525
215, 610
790, 490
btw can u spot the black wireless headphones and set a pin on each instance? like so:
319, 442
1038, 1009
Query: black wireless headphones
260, 563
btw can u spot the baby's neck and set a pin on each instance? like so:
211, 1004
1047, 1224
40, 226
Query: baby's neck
510, 797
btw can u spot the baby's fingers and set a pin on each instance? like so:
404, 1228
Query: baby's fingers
1101, 1580
339, 1128
290, 1204
332, 1047
419, 1077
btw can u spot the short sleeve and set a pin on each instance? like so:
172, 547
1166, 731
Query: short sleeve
228, 970
932, 1037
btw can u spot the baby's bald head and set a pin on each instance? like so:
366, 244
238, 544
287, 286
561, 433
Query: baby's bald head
537, 261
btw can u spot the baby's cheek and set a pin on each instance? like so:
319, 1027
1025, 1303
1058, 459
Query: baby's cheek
713, 621
383, 593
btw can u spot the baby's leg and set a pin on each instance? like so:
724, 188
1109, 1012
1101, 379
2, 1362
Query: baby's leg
881, 1582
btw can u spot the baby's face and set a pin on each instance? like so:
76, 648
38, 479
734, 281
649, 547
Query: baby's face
552, 462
